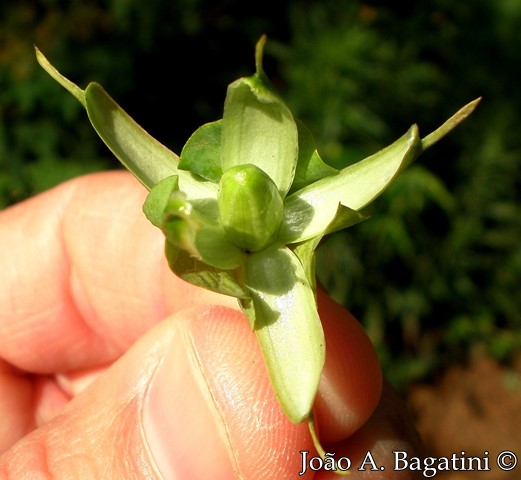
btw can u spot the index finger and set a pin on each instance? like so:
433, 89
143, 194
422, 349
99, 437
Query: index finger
84, 275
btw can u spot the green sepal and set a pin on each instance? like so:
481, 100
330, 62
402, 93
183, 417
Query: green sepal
258, 128
310, 167
202, 152
198, 273
309, 211
287, 327
194, 227
149, 160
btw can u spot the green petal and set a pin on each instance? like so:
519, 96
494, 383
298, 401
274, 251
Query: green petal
198, 273
202, 153
309, 211
258, 128
287, 327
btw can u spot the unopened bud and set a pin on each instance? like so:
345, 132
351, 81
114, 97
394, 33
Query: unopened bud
250, 207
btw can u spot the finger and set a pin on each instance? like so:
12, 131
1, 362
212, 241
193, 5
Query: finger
351, 382
83, 275
189, 400
374, 448
261, 442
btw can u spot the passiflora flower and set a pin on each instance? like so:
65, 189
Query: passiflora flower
245, 206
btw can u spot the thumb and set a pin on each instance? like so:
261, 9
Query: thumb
190, 399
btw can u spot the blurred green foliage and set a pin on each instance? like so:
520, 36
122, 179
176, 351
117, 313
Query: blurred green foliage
436, 273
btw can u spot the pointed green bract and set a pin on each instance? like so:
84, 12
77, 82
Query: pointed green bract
309, 211
287, 327
144, 156
72, 88
149, 160
450, 124
259, 129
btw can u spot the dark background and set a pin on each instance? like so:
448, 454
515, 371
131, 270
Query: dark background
435, 275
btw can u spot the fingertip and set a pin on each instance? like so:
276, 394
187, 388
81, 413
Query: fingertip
375, 449
351, 382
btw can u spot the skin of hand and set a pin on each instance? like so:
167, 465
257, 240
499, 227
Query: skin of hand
112, 367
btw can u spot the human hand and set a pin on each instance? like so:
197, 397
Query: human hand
112, 367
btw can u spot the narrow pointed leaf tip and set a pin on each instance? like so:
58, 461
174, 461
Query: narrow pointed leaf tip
450, 124
309, 211
259, 53
149, 160
259, 128
76, 91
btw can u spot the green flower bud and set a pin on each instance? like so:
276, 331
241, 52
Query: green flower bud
250, 207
